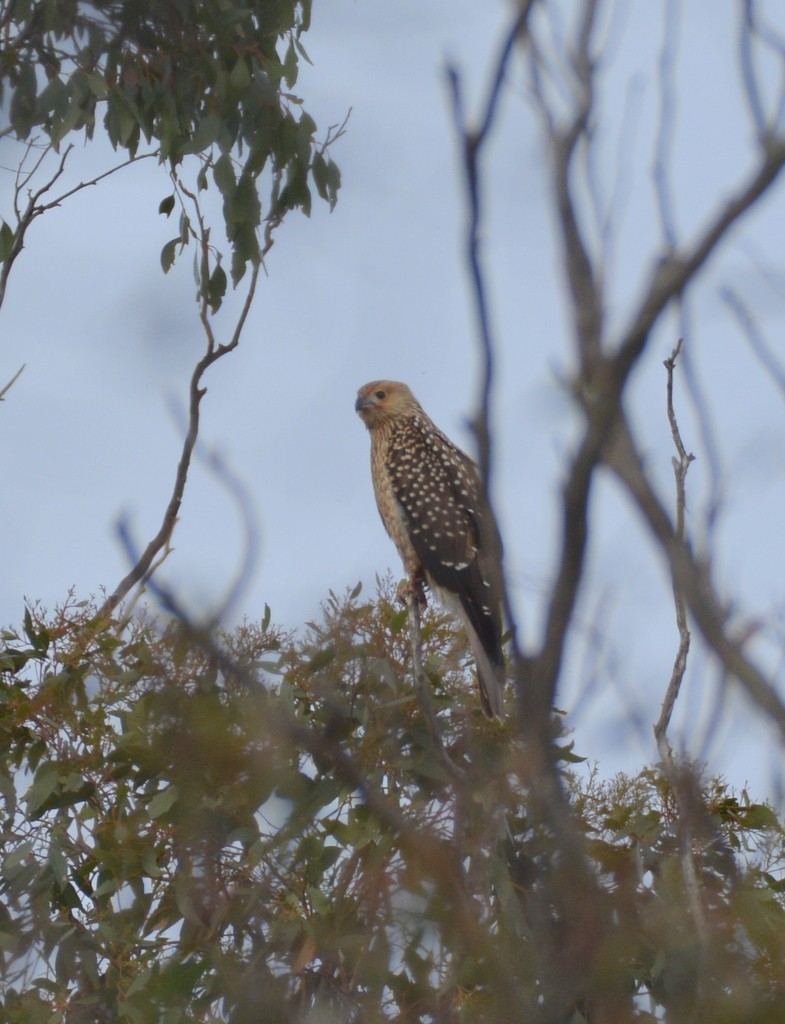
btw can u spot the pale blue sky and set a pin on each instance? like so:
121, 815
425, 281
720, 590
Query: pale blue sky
379, 289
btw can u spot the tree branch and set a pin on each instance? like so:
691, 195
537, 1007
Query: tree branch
673, 275
681, 466
691, 578
141, 569
472, 142
35, 208
7, 387
754, 337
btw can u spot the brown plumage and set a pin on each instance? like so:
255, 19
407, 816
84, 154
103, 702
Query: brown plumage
429, 496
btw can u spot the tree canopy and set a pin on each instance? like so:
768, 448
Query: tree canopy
207, 79
262, 827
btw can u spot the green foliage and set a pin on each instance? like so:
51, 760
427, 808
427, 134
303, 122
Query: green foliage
206, 79
264, 829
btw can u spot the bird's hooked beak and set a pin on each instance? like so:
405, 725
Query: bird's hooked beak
364, 402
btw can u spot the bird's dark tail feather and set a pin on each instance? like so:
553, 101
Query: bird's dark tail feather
491, 677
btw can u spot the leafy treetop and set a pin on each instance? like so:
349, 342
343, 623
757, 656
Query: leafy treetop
205, 78
263, 830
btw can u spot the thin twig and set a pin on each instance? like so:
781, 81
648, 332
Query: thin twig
141, 569
34, 208
673, 275
666, 127
746, 60
754, 337
691, 577
26, 217
681, 466
4, 391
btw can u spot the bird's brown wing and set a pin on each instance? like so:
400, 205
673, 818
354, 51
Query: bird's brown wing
439, 494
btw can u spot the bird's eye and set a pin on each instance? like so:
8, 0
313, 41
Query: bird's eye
379, 394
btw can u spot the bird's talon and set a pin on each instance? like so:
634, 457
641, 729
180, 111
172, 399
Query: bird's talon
413, 589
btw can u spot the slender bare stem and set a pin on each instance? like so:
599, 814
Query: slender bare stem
142, 567
681, 465
7, 387
34, 206
692, 578
773, 366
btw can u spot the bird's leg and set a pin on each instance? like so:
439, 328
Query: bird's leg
413, 589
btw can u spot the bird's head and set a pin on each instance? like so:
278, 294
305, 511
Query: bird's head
384, 400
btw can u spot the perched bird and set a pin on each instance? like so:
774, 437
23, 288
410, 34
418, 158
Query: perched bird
430, 498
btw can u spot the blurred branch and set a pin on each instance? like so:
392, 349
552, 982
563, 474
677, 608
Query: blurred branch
754, 336
673, 275
247, 562
585, 293
751, 90
7, 387
579, 905
666, 125
472, 141
583, 284
753, 29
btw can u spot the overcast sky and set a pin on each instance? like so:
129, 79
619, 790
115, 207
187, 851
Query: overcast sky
379, 289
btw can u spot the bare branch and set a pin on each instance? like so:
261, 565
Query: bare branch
665, 127
247, 562
585, 291
35, 207
142, 567
335, 132
681, 775
673, 275
751, 91
706, 430
4, 390
536, 677
681, 466
582, 277
472, 142
754, 337
691, 578
26, 217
